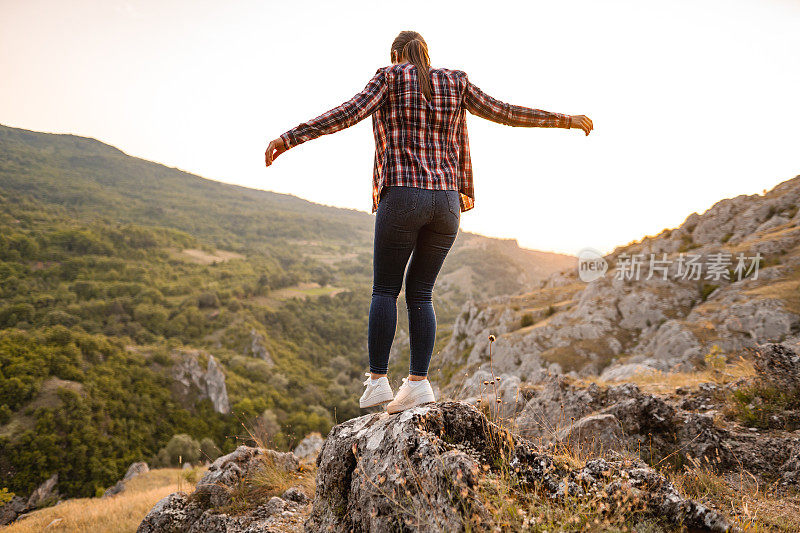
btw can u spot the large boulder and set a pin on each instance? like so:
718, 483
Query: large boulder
593, 434
10, 511
200, 512
136, 469
45, 494
421, 470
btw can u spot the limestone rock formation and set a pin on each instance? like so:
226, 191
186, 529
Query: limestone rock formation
419, 471
133, 470
199, 512
136, 469
620, 325
257, 348
194, 381
623, 418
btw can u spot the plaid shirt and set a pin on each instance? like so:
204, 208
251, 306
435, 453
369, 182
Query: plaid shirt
420, 143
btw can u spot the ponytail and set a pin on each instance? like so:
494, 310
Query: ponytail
412, 47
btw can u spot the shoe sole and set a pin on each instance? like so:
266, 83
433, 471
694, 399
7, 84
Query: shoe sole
381, 401
425, 401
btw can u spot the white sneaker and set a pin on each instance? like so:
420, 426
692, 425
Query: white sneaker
378, 391
411, 394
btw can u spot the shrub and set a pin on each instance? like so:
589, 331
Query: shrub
526, 320
180, 449
208, 449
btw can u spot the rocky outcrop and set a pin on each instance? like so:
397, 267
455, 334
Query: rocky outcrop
10, 511
199, 384
134, 470
258, 349
44, 495
422, 470
686, 424
619, 325
200, 511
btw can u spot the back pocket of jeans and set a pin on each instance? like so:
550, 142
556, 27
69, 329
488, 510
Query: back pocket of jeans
401, 200
454, 202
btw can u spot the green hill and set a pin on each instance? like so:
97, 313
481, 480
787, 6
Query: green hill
115, 271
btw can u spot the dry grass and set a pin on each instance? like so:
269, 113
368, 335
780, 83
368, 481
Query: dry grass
658, 382
268, 481
120, 513
750, 505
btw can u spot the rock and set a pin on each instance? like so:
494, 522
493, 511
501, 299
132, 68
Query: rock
294, 494
135, 469
215, 386
779, 365
594, 434
226, 472
309, 447
651, 426
10, 511
258, 349
432, 458
117, 488
198, 513
275, 505
508, 387
671, 323
209, 384
555, 405
172, 514
44, 494
627, 371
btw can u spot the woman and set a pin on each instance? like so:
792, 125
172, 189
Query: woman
422, 181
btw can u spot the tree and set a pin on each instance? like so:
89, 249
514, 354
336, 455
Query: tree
182, 449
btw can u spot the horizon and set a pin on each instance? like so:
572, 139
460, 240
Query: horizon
350, 208
681, 122
605, 252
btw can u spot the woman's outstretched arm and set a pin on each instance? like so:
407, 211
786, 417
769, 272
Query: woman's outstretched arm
481, 104
348, 114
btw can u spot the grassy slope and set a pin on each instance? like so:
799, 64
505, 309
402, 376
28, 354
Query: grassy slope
120, 513
108, 262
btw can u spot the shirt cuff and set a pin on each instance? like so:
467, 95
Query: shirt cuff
287, 140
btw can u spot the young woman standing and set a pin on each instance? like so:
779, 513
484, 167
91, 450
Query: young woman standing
422, 182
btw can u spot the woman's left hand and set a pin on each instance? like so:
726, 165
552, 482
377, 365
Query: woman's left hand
278, 147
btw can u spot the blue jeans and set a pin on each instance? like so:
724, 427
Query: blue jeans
425, 222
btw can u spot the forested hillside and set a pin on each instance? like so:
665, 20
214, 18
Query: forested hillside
138, 302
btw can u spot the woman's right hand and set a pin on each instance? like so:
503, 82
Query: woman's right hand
278, 147
582, 122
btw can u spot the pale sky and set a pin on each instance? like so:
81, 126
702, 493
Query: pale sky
692, 100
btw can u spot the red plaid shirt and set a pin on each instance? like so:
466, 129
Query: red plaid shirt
420, 143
